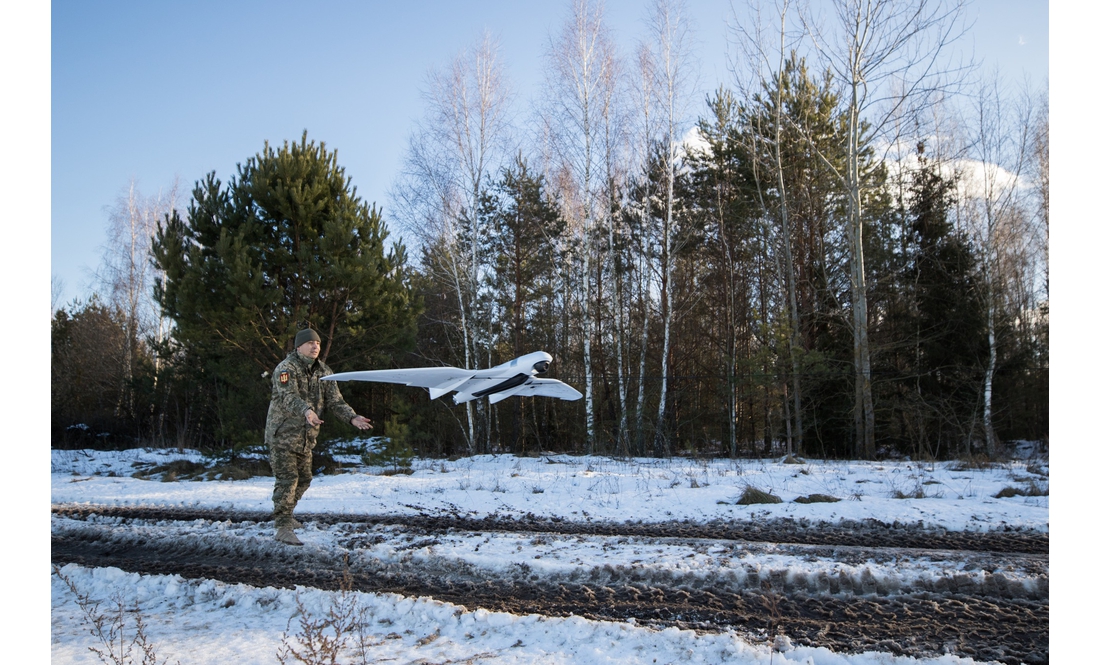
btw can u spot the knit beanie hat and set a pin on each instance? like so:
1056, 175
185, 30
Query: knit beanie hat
304, 336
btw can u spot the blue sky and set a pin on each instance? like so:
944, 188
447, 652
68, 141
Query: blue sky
156, 90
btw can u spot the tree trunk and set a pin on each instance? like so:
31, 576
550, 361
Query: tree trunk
987, 390
864, 407
794, 339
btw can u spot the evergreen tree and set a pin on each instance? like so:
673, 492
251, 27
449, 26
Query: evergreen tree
718, 192
525, 228
747, 268
938, 326
287, 244
810, 325
88, 375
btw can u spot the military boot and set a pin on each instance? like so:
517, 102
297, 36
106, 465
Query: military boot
285, 534
295, 524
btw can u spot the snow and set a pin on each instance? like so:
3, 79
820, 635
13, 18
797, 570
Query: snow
596, 489
244, 624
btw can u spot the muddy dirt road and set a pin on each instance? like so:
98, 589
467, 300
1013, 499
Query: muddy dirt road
848, 587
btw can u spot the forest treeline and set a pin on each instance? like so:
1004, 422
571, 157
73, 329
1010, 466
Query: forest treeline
843, 255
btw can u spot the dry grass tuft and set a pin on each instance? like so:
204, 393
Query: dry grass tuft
752, 495
240, 468
1031, 489
111, 627
321, 639
976, 462
817, 498
402, 471
172, 471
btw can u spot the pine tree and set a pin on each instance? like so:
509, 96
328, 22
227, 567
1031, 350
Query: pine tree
525, 229
718, 193
287, 244
938, 329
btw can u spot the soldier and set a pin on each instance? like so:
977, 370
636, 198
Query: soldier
298, 396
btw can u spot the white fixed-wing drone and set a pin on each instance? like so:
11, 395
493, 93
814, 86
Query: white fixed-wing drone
516, 377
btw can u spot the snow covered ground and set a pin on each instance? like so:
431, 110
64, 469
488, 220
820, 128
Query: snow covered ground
210, 622
596, 488
244, 624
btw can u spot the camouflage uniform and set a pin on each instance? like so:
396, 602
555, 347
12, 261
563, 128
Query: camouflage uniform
296, 387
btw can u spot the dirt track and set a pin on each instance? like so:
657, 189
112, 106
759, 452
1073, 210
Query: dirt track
994, 622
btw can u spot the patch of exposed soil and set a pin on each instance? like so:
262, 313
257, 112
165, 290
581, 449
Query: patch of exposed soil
866, 533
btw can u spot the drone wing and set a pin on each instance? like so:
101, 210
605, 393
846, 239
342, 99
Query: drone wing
467, 383
438, 380
541, 387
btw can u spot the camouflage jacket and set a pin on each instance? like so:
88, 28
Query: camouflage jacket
296, 387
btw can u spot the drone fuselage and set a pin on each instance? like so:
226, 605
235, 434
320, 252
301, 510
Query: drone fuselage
512, 375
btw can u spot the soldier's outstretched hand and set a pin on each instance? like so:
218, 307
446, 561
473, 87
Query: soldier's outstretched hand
313, 419
361, 422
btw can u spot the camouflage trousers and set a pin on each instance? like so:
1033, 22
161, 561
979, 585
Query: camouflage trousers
293, 474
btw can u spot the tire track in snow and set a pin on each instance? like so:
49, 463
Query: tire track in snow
983, 626
867, 533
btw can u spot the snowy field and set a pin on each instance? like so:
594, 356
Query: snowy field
244, 624
596, 488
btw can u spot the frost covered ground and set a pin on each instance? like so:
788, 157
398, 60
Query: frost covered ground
197, 621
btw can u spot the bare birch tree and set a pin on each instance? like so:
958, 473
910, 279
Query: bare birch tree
645, 82
457, 146
577, 83
57, 287
889, 54
127, 275
1040, 172
613, 125
1001, 143
671, 33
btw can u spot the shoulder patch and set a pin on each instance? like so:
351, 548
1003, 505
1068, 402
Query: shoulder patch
284, 377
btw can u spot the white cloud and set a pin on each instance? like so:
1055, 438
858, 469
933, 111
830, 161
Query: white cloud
975, 176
